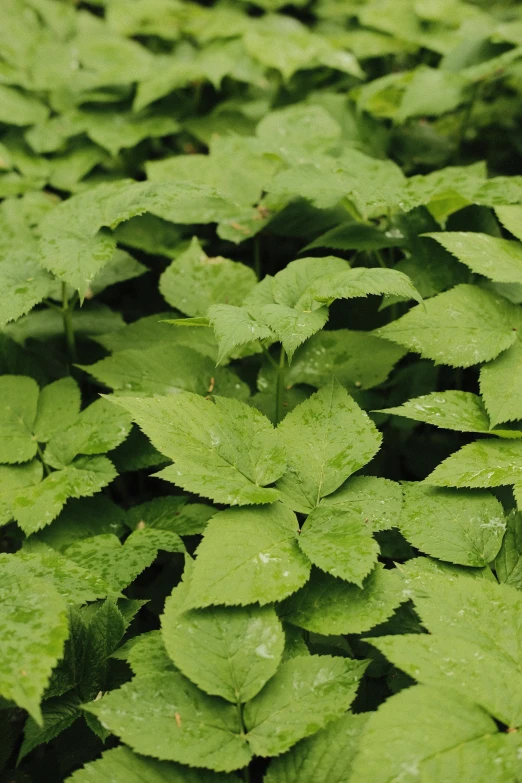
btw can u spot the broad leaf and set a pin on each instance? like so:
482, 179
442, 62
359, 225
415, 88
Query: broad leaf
498, 259
363, 282
376, 502
464, 527
327, 438
261, 560
226, 652
305, 694
461, 327
508, 562
58, 407
501, 387
234, 326
327, 605
29, 649
223, 450
485, 463
19, 405
24, 284
165, 716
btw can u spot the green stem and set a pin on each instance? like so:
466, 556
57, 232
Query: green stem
380, 259
68, 324
280, 386
42, 460
257, 257
268, 356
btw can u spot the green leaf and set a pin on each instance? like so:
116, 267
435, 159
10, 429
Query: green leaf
146, 654
223, 450
36, 506
457, 526
18, 108
120, 268
327, 438
98, 429
83, 518
355, 236
228, 652
461, 327
452, 410
24, 284
119, 564
327, 755
511, 218
165, 368
291, 286
13, 480
57, 715
339, 544
358, 360
290, 325
498, 259
261, 560
206, 731
19, 404
170, 512
193, 282
58, 407
329, 606
234, 326
304, 695
430, 733
363, 282
485, 463
376, 502
33, 622
500, 385
121, 765
508, 562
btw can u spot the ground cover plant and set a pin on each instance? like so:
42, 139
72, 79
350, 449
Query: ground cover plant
261, 391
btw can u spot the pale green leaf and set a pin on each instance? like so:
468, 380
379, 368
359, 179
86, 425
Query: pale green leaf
119, 564
36, 506
206, 731
329, 606
224, 450
429, 734
290, 286
452, 410
58, 407
304, 695
98, 429
194, 281
233, 326
363, 282
24, 284
289, 325
376, 502
261, 560
18, 108
33, 622
146, 654
13, 479
484, 463
464, 527
121, 765
358, 360
170, 512
120, 268
327, 438
508, 562
327, 755
511, 218
339, 543
18, 411
498, 259
501, 385
228, 652
461, 327
83, 518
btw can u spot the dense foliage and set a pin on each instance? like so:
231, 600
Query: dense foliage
261, 391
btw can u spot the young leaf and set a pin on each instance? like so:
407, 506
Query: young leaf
57, 715
263, 562
121, 765
498, 259
484, 463
193, 282
461, 327
452, 410
501, 387
226, 652
19, 406
508, 562
290, 325
376, 502
339, 544
305, 694
170, 512
29, 649
431, 732
58, 407
327, 438
327, 755
234, 326
205, 733
24, 284
363, 282
223, 450
329, 606
464, 527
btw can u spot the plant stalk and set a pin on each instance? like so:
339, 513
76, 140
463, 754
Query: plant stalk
257, 257
68, 324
